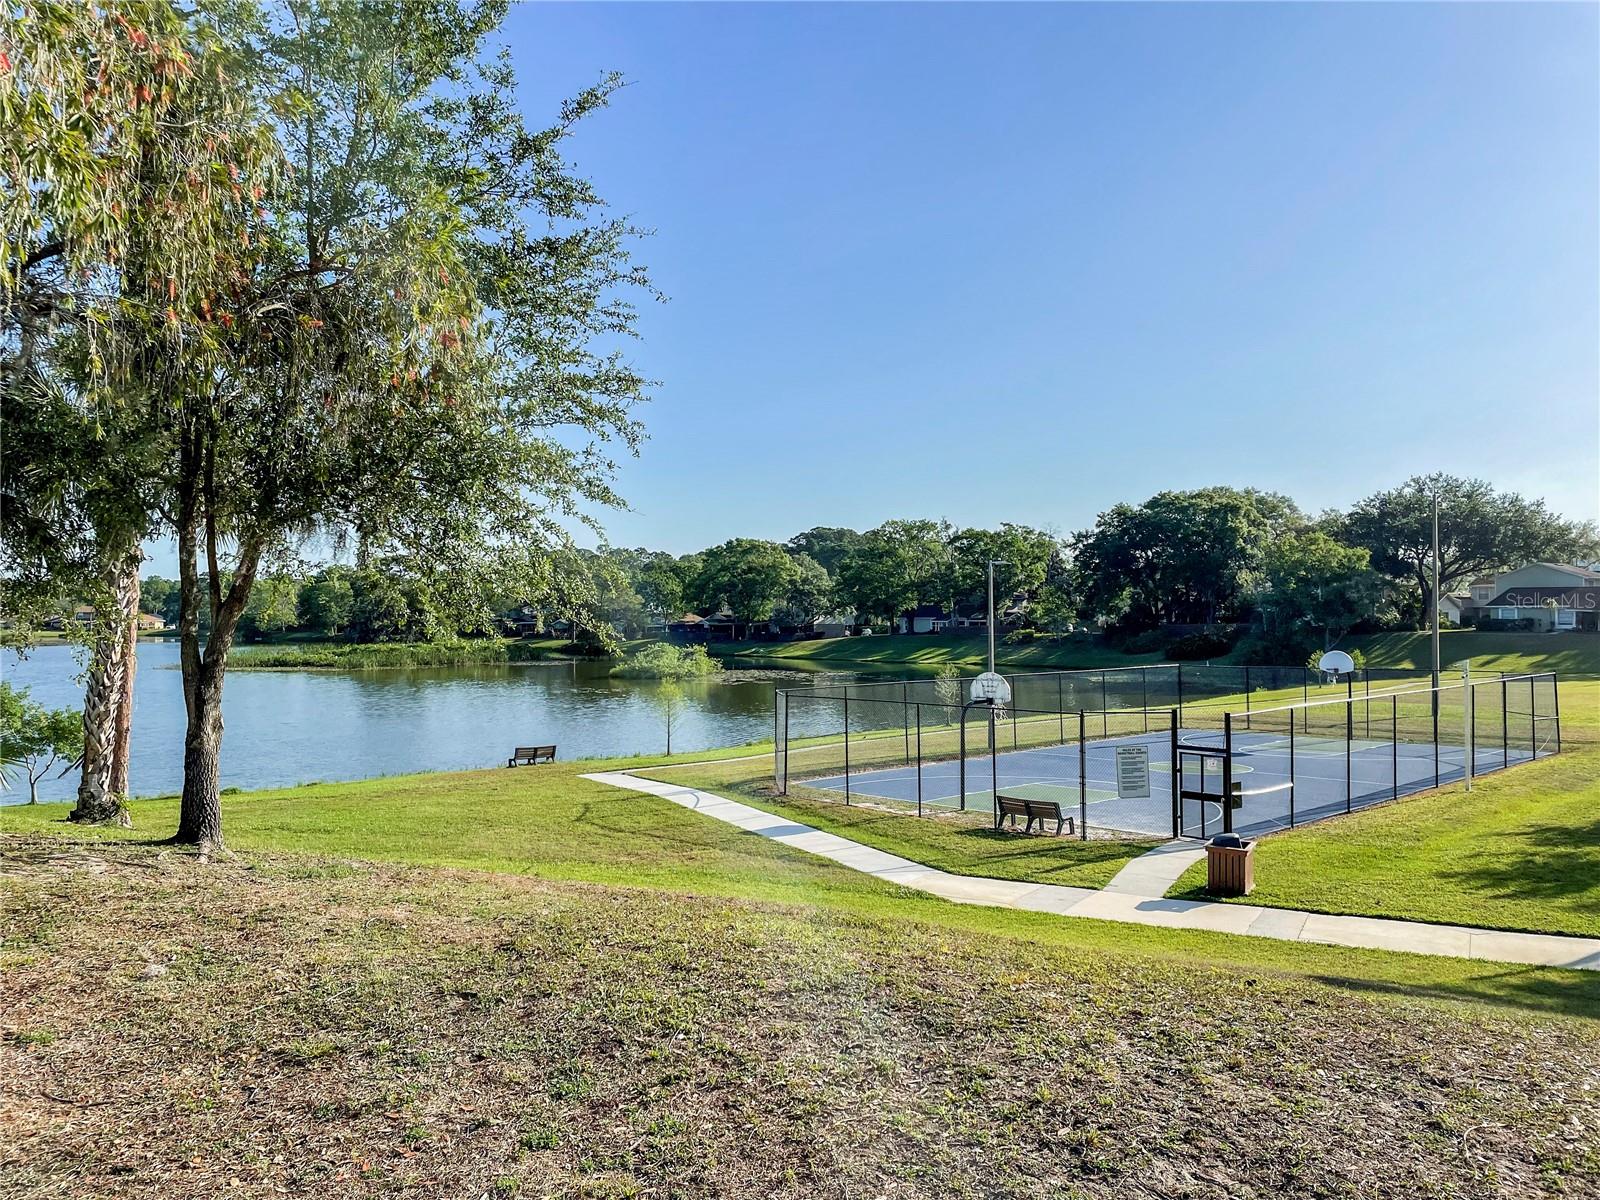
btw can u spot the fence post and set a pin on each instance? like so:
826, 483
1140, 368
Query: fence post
1227, 773
786, 744
1394, 746
1291, 768
994, 766
1180, 693
1083, 777
1349, 736
1505, 724
962, 757
1177, 782
919, 758
905, 719
1061, 707
1555, 696
847, 744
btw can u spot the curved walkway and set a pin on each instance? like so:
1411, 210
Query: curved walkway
1415, 937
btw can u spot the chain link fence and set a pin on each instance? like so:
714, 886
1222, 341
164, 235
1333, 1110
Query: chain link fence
1286, 747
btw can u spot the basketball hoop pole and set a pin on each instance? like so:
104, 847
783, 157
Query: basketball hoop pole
993, 563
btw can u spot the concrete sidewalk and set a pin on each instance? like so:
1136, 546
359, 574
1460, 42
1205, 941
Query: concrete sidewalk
1130, 906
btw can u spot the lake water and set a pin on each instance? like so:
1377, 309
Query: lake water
289, 727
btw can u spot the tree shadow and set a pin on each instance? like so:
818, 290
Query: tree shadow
1571, 993
1539, 862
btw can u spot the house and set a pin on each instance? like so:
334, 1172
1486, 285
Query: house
925, 618
1545, 596
834, 625
1455, 607
150, 623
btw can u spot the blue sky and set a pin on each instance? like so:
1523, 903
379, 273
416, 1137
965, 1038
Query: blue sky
998, 262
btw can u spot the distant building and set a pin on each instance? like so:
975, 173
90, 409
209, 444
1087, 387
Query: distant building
1546, 596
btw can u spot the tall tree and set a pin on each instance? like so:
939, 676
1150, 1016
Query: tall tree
1481, 531
418, 354
898, 566
751, 577
1314, 588
827, 544
120, 123
1183, 557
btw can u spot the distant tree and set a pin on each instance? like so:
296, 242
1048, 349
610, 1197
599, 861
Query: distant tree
153, 594
750, 576
35, 739
273, 608
1315, 587
1025, 552
1184, 557
1481, 531
898, 566
810, 595
379, 608
326, 602
826, 544
1056, 604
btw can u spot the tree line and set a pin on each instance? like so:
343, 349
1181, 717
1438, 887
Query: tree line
1211, 556
288, 275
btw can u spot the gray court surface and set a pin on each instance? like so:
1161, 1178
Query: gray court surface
1330, 776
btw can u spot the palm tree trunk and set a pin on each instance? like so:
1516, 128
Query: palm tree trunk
119, 752
98, 801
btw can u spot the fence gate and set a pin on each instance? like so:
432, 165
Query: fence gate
1200, 785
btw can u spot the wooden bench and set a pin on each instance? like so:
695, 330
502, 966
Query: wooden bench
532, 755
1031, 811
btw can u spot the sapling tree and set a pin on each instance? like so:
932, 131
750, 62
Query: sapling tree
34, 740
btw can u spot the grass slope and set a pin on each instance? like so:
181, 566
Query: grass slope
1521, 851
1573, 654
266, 1026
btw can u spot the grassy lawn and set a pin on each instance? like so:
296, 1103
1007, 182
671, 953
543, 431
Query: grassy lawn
962, 843
1522, 851
271, 1024
348, 656
936, 649
1571, 654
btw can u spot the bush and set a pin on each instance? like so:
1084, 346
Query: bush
1021, 637
1151, 641
1209, 644
663, 661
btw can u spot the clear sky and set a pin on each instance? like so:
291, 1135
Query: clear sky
998, 262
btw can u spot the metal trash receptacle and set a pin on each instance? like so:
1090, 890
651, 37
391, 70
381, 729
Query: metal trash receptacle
1230, 865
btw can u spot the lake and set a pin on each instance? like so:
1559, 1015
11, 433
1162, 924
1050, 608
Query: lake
289, 727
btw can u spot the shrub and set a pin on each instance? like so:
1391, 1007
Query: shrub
1151, 641
1207, 644
664, 661
1021, 637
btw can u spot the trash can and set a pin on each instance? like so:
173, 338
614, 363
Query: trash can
1230, 865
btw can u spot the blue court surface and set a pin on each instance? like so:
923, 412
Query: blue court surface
1327, 780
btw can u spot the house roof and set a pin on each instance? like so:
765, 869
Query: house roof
1587, 598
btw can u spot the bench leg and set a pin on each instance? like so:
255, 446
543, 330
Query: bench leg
1059, 824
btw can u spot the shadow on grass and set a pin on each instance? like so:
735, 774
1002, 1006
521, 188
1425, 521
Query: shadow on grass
1541, 989
1541, 862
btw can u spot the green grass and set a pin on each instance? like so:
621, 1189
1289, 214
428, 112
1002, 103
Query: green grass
1573, 655
937, 649
961, 843
270, 1024
348, 656
1521, 851
546, 822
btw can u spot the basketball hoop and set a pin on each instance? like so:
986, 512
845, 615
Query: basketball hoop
991, 688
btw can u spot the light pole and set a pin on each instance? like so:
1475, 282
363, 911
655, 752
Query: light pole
993, 563
1435, 613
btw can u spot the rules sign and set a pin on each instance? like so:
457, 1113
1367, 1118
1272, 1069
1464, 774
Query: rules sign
1133, 771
